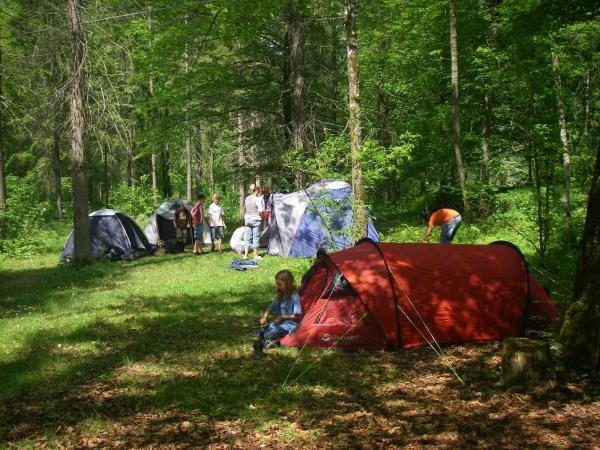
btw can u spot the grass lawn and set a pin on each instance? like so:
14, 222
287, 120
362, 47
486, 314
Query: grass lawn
157, 352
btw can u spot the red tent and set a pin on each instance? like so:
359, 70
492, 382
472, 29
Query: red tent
389, 296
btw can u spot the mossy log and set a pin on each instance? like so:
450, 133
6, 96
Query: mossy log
524, 360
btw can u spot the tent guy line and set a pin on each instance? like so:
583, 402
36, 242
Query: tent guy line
295, 380
317, 319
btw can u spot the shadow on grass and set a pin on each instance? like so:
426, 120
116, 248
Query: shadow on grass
155, 362
188, 358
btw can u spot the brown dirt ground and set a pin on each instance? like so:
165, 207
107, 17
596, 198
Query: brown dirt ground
425, 408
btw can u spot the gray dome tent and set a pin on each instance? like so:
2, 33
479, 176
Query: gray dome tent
160, 226
113, 236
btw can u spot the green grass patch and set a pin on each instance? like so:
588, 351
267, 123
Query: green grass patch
167, 339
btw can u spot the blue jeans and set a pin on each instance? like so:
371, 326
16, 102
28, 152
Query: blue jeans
272, 332
449, 229
252, 234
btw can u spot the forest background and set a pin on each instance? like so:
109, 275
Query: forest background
495, 115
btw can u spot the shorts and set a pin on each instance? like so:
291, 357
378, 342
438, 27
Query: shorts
217, 233
198, 232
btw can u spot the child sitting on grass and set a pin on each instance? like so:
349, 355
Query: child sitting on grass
287, 311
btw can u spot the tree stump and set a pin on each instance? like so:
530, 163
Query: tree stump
524, 360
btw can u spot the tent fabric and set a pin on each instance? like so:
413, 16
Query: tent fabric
112, 233
463, 293
316, 217
160, 226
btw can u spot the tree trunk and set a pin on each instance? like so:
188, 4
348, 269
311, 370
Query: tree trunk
105, 176
580, 333
198, 158
359, 206
165, 178
130, 165
385, 134
2, 176
188, 138
56, 171
154, 179
241, 161
455, 116
81, 231
211, 161
151, 91
485, 136
286, 97
492, 40
188, 167
297, 42
564, 139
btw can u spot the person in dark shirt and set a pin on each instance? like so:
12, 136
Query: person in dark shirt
182, 221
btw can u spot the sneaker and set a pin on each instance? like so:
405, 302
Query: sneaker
271, 344
258, 350
258, 257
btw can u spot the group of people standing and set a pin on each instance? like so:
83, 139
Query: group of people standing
184, 219
258, 207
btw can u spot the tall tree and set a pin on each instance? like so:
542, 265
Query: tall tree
81, 227
359, 205
564, 140
198, 157
580, 332
2, 179
297, 40
455, 116
154, 166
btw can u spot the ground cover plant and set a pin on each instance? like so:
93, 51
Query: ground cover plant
157, 352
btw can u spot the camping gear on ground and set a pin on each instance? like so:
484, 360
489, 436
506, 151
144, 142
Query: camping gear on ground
392, 296
317, 217
243, 265
113, 236
161, 228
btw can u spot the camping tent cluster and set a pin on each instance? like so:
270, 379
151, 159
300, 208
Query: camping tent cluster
391, 296
302, 223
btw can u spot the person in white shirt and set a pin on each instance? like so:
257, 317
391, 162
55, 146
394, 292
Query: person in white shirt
253, 207
217, 223
238, 240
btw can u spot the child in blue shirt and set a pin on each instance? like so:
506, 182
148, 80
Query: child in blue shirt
287, 311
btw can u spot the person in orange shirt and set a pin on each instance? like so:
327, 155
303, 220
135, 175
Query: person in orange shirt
446, 218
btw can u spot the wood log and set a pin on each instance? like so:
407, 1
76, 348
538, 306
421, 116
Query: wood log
524, 361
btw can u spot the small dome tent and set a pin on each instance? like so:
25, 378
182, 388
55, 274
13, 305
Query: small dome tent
160, 226
316, 217
389, 296
113, 235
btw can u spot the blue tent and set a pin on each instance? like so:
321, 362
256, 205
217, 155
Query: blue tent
319, 217
113, 236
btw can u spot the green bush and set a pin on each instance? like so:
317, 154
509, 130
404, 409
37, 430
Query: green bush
136, 201
26, 215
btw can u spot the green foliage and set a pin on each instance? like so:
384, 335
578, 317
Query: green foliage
136, 201
26, 216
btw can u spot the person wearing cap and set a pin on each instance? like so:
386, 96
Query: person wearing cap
448, 219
